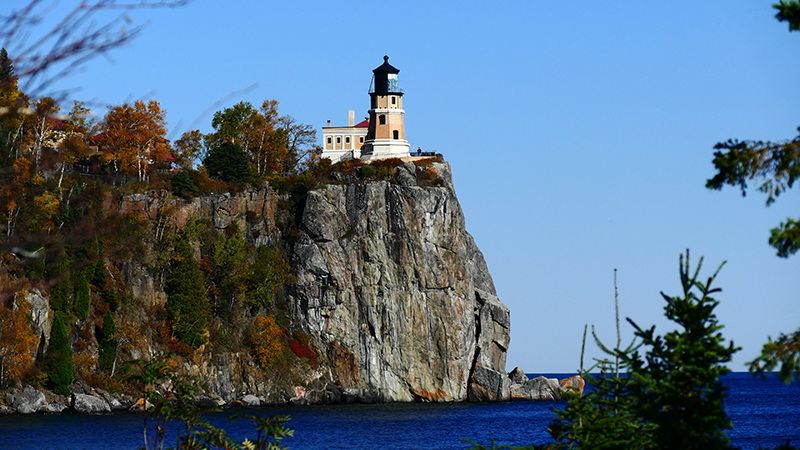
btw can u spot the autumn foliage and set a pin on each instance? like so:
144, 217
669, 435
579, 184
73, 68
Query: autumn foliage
17, 341
267, 341
134, 137
63, 175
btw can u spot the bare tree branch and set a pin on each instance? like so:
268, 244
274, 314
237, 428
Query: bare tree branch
72, 42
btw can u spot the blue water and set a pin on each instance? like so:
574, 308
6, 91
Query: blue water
764, 413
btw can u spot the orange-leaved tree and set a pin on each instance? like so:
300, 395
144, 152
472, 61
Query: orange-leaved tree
268, 341
17, 341
134, 137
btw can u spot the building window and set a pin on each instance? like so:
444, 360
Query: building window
361, 140
394, 100
382, 119
396, 134
347, 140
329, 140
338, 140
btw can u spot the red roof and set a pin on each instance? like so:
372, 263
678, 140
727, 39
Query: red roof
364, 124
169, 158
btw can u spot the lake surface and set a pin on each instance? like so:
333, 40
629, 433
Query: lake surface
764, 414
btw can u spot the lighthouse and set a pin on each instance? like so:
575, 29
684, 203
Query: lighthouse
386, 136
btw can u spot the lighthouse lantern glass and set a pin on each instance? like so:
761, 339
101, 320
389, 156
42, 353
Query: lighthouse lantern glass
392, 83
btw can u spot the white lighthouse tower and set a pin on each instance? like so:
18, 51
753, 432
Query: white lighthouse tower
386, 136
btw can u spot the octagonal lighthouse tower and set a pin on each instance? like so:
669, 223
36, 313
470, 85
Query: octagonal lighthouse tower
386, 137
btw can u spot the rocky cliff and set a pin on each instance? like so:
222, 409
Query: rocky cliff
395, 290
389, 287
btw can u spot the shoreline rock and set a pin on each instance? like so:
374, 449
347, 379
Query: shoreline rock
486, 386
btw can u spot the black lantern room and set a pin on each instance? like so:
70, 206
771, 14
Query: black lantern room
385, 79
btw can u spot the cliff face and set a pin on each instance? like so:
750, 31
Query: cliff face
392, 290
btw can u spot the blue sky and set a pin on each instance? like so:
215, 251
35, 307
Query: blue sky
580, 135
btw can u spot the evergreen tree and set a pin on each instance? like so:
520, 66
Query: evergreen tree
230, 269
187, 306
11, 98
182, 185
672, 396
58, 362
83, 296
58, 268
268, 274
228, 163
108, 342
776, 167
8, 81
61, 296
677, 384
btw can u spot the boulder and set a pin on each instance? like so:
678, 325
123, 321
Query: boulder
573, 384
494, 325
517, 376
113, 402
355, 395
28, 401
5, 410
89, 404
250, 400
488, 385
54, 408
79, 387
539, 388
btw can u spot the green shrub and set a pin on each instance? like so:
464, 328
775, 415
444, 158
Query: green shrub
366, 172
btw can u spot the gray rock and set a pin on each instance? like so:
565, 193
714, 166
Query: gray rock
113, 402
40, 319
28, 401
388, 280
494, 323
539, 388
517, 376
406, 175
250, 400
5, 410
54, 408
89, 404
354, 395
488, 385
79, 387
